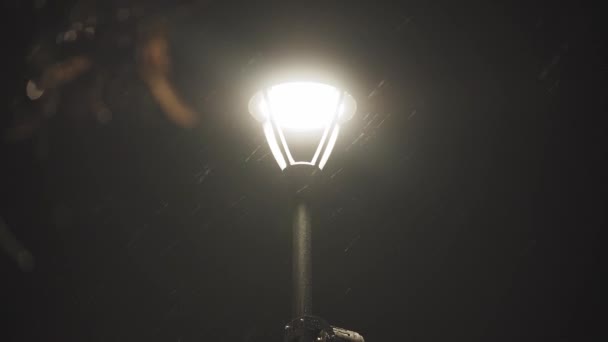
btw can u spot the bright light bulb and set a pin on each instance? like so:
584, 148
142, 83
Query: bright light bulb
303, 106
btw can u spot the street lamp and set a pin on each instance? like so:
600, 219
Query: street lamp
301, 122
295, 114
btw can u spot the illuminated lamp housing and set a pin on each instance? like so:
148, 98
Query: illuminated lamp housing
301, 120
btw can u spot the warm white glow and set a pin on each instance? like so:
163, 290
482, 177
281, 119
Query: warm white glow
307, 108
320, 147
303, 106
330, 146
264, 109
274, 147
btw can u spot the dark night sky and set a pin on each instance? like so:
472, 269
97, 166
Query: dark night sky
461, 201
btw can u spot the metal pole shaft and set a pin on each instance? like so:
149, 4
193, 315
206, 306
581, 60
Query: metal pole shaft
302, 260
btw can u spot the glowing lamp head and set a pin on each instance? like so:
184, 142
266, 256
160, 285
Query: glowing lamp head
300, 117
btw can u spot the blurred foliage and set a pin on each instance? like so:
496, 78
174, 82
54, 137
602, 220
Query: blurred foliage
99, 50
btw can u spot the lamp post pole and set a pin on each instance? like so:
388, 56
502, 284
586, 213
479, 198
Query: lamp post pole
304, 327
302, 259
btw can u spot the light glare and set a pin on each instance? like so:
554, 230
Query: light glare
301, 109
330, 147
274, 146
302, 106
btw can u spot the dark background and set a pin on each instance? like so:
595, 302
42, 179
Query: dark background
461, 201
